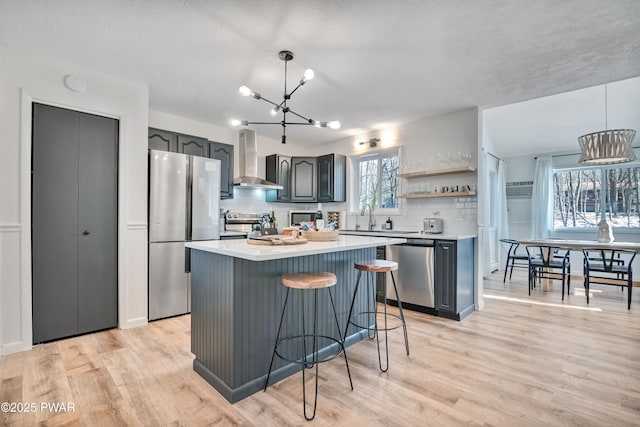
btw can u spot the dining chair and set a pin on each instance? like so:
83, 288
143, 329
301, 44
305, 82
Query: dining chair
607, 266
514, 259
547, 262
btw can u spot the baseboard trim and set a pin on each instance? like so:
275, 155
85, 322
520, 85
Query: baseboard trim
14, 347
135, 323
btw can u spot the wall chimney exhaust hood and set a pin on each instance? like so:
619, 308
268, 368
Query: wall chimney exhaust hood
248, 159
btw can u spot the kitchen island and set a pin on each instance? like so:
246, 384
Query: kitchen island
237, 298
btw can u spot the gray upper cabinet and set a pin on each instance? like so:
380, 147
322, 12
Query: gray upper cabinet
303, 179
307, 179
163, 140
193, 145
332, 178
278, 170
224, 153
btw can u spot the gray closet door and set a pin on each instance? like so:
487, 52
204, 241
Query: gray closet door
74, 222
97, 223
54, 223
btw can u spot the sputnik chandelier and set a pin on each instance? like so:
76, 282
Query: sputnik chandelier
286, 56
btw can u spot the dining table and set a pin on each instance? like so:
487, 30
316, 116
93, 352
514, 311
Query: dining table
578, 245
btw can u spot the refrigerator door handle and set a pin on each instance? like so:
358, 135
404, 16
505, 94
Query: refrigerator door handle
188, 222
187, 260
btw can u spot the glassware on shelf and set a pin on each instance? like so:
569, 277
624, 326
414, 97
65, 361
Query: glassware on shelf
451, 157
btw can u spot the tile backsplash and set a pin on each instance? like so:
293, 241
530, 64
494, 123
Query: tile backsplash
460, 214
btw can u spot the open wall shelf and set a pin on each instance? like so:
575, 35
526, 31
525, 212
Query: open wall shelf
434, 195
439, 172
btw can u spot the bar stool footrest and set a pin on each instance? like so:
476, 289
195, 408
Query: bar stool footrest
388, 328
301, 361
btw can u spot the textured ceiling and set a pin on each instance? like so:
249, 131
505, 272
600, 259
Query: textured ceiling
376, 61
554, 123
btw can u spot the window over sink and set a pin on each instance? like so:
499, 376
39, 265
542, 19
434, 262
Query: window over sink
376, 182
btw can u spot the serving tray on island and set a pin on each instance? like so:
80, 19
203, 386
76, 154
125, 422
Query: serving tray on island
276, 239
320, 236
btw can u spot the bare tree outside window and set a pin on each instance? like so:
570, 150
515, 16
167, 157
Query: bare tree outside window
582, 196
378, 181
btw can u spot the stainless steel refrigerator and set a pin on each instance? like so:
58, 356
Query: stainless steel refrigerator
184, 205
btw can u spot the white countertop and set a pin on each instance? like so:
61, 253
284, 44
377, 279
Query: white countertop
407, 235
242, 249
229, 233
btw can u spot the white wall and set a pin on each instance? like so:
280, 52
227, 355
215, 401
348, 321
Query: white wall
26, 79
420, 142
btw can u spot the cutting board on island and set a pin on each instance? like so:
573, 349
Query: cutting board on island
276, 239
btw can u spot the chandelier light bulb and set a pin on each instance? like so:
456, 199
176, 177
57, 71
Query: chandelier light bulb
244, 91
308, 74
274, 111
235, 122
334, 124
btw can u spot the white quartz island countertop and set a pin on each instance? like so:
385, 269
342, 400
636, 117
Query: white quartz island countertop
242, 249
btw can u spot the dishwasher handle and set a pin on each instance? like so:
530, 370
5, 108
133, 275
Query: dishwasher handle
419, 242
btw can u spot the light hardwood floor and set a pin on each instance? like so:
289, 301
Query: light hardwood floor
521, 361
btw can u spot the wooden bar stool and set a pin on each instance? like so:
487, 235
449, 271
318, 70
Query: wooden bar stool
372, 267
305, 282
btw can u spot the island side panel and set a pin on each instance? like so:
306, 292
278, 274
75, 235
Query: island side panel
211, 312
253, 311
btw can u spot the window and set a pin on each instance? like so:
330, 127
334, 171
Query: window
582, 197
377, 180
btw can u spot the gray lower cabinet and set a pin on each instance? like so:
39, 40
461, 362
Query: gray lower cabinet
332, 178
193, 145
224, 153
303, 179
454, 278
74, 223
278, 170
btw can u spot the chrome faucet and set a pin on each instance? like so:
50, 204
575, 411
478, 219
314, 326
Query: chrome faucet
371, 221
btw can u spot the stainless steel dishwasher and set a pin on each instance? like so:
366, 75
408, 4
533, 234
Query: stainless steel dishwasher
415, 275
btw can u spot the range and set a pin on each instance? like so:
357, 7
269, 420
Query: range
243, 222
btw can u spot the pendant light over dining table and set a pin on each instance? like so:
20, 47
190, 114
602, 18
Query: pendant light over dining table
282, 107
608, 146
